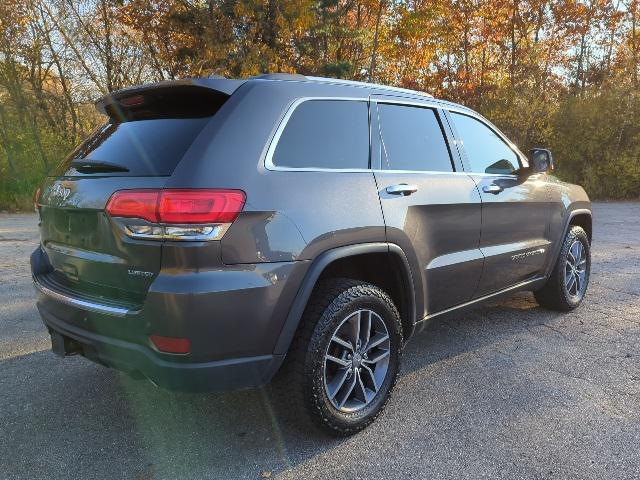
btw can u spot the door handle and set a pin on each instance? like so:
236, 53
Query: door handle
402, 189
493, 188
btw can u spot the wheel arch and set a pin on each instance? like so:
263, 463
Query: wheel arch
581, 218
576, 216
333, 262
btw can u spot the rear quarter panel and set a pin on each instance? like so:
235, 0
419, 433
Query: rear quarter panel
289, 215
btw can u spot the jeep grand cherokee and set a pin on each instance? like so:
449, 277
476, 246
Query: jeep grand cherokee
214, 232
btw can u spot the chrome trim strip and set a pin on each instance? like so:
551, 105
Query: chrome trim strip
429, 172
514, 248
83, 304
124, 224
456, 258
492, 175
482, 299
273, 143
439, 172
217, 232
82, 253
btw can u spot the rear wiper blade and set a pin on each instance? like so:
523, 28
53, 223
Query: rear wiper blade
97, 166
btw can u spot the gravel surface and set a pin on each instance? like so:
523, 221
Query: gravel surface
506, 391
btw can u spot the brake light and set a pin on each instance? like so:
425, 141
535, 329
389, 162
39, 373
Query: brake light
177, 214
134, 101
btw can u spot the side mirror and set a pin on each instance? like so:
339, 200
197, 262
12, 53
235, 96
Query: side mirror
541, 160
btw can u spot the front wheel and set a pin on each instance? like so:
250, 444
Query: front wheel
566, 287
346, 356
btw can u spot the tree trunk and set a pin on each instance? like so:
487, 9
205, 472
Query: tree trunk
376, 33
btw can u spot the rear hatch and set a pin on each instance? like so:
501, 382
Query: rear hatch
148, 131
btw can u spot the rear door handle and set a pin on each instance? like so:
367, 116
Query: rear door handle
493, 188
402, 189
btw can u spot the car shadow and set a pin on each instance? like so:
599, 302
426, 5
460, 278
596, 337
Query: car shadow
456, 333
71, 416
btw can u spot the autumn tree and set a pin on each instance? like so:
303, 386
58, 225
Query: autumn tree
558, 73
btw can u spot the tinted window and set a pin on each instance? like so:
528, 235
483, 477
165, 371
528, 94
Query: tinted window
144, 147
325, 134
487, 153
412, 139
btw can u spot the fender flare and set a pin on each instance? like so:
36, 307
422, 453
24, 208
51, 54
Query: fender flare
574, 213
313, 274
556, 251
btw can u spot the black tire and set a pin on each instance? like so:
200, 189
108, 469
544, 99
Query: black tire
555, 294
333, 303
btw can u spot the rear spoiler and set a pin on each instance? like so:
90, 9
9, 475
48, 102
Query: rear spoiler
205, 86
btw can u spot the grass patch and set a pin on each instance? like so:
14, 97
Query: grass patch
17, 196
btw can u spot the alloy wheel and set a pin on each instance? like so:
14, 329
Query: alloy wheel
575, 278
356, 361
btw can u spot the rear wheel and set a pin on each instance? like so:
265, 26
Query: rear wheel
568, 282
344, 361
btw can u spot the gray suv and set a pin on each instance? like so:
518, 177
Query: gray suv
215, 232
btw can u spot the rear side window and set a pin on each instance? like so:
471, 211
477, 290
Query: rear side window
143, 147
412, 139
325, 134
486, 151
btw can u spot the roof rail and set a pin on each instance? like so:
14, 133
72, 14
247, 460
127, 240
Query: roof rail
366, 84
280, 76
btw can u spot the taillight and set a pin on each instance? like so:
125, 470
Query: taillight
200, 206
141, 204
176, 214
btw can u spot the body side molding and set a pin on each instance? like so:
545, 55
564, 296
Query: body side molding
509, 290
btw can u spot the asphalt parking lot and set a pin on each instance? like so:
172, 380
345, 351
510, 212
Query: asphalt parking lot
507, 391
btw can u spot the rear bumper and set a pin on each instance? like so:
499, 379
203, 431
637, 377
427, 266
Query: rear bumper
233, 318
79, 302
138, 360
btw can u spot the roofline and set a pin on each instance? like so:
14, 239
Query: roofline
296, 77
377, 86
228, 86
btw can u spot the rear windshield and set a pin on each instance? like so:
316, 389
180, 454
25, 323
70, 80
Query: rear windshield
147, 133
142, 147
